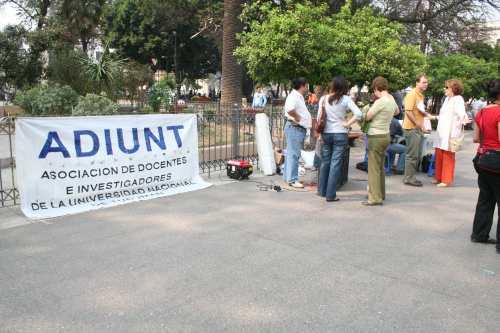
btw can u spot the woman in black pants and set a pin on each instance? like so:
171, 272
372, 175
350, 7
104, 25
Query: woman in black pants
487, 134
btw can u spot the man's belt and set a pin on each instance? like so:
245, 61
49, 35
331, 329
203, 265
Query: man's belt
296, 125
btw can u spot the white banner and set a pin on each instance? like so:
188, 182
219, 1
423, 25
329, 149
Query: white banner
75, 164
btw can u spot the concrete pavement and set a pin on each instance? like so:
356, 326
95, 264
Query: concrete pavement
235, 259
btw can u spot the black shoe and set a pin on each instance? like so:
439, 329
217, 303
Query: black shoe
487, 241
368, 203
416, 183
332, 199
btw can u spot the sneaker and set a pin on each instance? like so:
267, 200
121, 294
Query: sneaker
416, 183
442, 185
296, 185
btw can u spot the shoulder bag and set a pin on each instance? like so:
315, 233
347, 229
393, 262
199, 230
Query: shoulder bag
455, 144
320, 126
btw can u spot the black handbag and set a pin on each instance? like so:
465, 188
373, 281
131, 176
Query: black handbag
487, 160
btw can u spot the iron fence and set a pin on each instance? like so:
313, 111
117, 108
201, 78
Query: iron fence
9, 195
224, 133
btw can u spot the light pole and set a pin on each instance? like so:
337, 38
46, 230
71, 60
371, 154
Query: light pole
175, 68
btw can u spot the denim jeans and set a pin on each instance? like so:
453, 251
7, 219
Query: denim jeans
295, 137
393, 150
332, 157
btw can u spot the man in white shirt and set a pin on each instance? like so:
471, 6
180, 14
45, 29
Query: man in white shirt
298, 122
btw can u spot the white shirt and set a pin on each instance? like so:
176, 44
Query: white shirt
335, 113
451, 118
295, 101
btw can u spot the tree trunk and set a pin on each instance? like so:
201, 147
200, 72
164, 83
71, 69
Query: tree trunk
231, 70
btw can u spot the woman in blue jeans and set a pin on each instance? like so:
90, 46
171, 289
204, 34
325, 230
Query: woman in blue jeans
336, 104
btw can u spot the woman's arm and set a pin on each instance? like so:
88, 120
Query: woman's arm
477, 134
351, 121
460, 110
320, 108
354, 109
397, 111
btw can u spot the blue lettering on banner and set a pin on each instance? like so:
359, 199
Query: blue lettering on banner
47, 147
176, 133
160, 140
53, 143
107, 137
78, 143
121, 144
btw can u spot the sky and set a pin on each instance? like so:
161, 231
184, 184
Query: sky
8, 16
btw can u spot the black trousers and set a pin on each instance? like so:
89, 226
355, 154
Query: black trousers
489, 197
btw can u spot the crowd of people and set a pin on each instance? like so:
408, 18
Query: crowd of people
386, 135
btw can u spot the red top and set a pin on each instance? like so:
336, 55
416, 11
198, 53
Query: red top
490, 118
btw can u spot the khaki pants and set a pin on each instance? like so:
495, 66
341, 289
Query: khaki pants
413, 140
377, 146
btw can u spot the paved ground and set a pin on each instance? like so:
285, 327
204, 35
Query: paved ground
231, 258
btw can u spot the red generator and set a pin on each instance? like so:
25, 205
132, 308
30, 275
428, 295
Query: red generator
239, 169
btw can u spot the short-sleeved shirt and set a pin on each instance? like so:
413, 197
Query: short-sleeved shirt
414, 103
490, 118
336, 113
295, 101
384, 109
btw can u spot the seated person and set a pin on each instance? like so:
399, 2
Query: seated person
396, 147
259, 99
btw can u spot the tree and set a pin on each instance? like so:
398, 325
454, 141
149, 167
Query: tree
231, 69
81, 19
482, 50
428, 21
66, 68
18, 68
134, 77
143, 30
473, 72
368, 45
282, 47
359, 45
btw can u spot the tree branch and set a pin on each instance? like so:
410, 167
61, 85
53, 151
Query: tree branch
20, 7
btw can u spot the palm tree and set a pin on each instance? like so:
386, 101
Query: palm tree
231, 71
103, 72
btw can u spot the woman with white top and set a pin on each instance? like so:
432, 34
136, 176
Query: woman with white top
335, 140
452, 117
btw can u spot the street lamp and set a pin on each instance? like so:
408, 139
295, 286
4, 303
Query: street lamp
175, 67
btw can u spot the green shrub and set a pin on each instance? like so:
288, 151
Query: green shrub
45, 100
94, 105
147, 109
162, 94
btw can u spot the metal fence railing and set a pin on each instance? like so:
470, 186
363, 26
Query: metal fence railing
9, 195
224, 133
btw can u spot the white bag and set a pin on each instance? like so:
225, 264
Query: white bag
456, 143
308, 158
